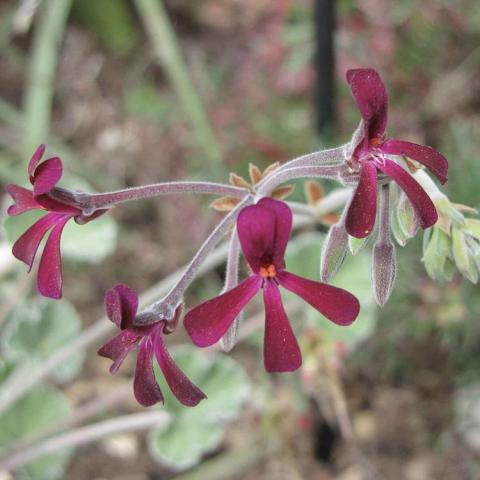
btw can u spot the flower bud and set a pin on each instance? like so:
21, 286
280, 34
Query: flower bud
333, 251
384, 268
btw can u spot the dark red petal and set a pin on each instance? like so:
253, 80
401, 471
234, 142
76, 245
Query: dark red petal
121, 305
427, 156
256, 231
422, 203
338, 305
208, 322
36, 157
362, 210
23, 199
117, 348
50, 269
180, 385
25, 248
52, 205
372, 100
281, 352
46, 176
145, 387
283, 228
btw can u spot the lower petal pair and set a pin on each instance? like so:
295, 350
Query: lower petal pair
208, 322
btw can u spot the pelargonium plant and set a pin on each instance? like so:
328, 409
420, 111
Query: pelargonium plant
372, 170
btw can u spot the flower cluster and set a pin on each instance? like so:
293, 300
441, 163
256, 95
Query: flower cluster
260, 227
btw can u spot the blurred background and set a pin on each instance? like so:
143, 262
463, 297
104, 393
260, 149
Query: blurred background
134, 92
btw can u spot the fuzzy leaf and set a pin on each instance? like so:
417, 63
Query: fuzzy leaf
196, 431
224, 204
39, 409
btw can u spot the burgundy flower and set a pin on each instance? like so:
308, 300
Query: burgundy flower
43, 176
372, 156
264, 230
121, 304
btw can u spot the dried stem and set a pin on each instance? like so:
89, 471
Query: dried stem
88, 434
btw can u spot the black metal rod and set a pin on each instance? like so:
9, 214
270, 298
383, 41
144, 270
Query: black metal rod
324, 18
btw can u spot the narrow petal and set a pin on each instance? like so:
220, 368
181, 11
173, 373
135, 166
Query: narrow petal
372, 100
117, 348
283, 228
121, 305
145, 387
256, 231
338, 305
180, 385
23, 199
422, 203
46, 175
25, 248
363, 206
281, 352
52, 205
423, 154
208, 322
36, 157
50, 268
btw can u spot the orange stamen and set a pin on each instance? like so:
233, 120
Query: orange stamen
376, 142
268, 272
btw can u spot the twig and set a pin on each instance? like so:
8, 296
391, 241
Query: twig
88, 434
41, 73
167, 49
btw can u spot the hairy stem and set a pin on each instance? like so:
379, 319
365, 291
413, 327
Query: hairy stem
88, 434
284, 175
231, 280
166, 307
89, 202
167, 49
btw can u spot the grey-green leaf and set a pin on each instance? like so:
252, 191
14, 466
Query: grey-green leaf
196, 431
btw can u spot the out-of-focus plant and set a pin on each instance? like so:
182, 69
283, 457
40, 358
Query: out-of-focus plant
372, 170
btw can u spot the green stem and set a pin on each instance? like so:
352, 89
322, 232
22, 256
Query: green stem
166, 47
41, 72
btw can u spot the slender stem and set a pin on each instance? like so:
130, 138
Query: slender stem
231, 280
165, 307
330, 156
89, 202
41, 73
88, 434
167, 49
284, 175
